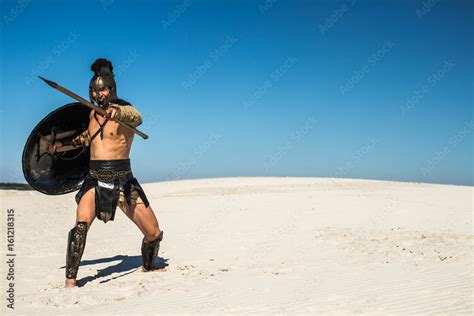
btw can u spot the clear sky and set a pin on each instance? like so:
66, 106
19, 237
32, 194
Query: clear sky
353, 89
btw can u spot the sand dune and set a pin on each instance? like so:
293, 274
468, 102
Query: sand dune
256, 245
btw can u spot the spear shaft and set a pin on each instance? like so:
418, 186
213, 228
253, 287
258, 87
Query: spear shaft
90, 105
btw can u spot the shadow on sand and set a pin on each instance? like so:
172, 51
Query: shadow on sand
127, 264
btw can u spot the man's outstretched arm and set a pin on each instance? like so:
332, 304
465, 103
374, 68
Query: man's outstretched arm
128, 114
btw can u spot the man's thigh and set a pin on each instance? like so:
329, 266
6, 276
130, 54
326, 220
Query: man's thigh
142, 216
86, 208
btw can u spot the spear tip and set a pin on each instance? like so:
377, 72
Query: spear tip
49, 82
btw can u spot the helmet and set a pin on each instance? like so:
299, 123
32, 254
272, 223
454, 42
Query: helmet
103, 78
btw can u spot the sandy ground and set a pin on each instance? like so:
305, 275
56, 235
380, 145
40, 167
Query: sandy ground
255, 245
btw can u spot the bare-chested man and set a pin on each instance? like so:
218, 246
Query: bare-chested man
110, 181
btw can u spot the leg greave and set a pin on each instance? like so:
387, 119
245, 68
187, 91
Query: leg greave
150, 252
75, 247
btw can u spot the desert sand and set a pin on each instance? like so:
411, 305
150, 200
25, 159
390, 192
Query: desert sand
255, 245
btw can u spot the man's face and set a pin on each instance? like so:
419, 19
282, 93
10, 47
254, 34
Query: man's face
103, 93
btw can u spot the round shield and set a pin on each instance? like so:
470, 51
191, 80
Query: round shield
64, 171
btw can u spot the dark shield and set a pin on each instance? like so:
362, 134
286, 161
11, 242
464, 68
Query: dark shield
62, 172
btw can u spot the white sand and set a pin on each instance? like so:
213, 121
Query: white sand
264, 245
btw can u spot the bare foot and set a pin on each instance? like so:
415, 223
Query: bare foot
154, 270
70, 283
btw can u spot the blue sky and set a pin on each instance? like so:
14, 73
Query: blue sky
353, 89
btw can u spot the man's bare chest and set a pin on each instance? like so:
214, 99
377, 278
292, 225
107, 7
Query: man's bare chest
100, 125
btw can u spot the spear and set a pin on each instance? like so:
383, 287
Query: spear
90, 105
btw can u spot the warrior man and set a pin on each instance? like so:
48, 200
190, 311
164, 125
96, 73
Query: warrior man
110, 181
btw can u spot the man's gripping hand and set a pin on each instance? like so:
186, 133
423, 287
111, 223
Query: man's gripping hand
82, 139
54, 147
113, 112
